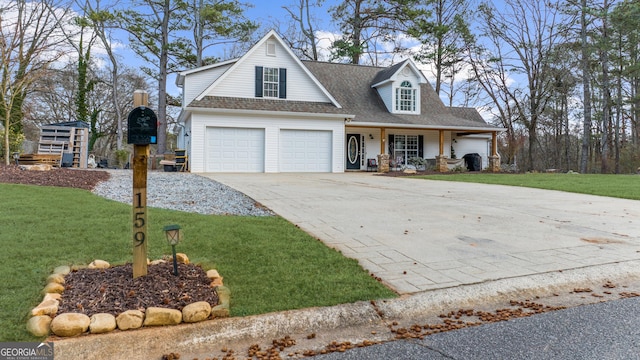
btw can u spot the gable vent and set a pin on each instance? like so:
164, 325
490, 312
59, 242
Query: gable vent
271, 48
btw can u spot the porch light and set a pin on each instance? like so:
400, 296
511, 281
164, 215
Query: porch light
173, 235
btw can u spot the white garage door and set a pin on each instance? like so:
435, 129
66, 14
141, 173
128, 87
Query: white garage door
305, 151
235, 150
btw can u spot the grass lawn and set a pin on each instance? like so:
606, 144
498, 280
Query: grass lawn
268, 263
620, 186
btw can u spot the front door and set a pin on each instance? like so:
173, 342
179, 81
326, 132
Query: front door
353, 151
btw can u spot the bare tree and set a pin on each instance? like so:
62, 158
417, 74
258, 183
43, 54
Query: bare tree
441, 31
369, 25
103, 22
30, 41
527, 31
302, 39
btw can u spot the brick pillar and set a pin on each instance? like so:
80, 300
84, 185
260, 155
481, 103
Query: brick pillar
494, 163
441, 163
383, 163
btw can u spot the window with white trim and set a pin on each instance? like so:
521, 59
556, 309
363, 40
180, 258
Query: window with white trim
405, 147
270, 81
406, 97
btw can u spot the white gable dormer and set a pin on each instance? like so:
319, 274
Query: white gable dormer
399, 87
269, 70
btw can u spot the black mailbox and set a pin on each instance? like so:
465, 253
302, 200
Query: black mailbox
143, 126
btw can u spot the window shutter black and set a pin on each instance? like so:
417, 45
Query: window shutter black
282, 86
421, 146
391, 144
258, 81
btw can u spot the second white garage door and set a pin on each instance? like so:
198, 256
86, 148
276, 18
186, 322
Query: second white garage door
235, 150
305, 151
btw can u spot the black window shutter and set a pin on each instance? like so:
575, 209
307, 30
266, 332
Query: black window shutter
282, 86
421, 146
391, 144
258, 81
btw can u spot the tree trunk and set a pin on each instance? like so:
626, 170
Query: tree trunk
162, 80
586, 78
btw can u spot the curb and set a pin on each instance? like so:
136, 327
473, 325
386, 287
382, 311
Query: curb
150, 343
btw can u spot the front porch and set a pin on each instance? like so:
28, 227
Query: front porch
398, 148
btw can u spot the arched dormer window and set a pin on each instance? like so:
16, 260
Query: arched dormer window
406, 97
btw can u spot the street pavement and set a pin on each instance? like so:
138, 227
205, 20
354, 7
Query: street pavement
419, 235
609, 330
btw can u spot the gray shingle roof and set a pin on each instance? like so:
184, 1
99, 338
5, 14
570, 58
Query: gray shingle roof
350, 85
220, 102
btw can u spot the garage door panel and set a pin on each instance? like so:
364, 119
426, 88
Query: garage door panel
235, 150
305, 151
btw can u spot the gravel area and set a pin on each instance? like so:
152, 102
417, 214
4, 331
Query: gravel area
182, 191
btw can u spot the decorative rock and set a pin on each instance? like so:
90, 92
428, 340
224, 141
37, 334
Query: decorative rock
102, 323
46, 307
182, 258
130, 319
99, 264
217, 282
224, 296
160, 316
56, 278
156, 262
52, 296
213, 274
63, 270
36, 167
195, 312
410, 171
70, 324
53, 288
39, 325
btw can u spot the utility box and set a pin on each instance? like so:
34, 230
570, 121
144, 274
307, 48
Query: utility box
142, 127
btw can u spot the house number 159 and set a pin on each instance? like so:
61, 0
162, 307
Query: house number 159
139, 220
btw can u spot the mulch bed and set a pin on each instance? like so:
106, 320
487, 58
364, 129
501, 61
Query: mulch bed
61, 177
114, 290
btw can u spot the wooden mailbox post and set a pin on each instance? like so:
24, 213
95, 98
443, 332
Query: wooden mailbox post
143, 130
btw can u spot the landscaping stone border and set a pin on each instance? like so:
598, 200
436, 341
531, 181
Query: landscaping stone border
45, 319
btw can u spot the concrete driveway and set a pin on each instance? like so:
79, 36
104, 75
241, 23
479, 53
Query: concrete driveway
419, 235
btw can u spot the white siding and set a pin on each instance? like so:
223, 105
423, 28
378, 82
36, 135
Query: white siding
196, 83
480, 144
272, 126
241, 83
386, 94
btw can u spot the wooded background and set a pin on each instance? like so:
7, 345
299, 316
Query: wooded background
562, 77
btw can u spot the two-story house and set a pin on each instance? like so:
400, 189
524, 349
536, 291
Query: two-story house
268, 111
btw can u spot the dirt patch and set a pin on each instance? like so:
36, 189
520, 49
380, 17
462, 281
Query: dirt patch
602, 241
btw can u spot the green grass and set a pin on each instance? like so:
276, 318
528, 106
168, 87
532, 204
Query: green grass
267, 262
620, 186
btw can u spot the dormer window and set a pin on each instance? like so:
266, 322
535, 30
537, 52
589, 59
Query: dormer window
406, 97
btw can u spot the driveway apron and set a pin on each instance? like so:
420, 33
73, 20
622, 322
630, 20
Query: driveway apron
419, 235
